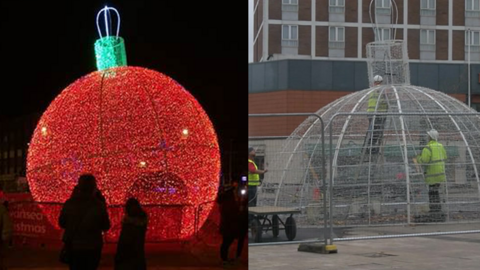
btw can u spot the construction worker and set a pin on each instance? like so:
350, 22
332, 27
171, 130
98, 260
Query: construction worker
433, 157
376, 103
253, 177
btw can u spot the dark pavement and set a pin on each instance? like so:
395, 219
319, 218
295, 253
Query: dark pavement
169, 256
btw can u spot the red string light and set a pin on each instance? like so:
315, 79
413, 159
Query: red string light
141, 134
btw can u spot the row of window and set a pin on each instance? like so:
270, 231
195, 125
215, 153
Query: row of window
472, 7
337, 34
12, 154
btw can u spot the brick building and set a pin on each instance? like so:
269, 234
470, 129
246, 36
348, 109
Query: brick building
435, 30
308, 53
15, 134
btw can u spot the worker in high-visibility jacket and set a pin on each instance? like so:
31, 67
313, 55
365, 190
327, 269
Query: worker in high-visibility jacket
376, 123
433, 158
253, 177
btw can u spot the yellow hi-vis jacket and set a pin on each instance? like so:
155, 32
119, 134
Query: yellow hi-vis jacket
253, 178
373, 99
433, 157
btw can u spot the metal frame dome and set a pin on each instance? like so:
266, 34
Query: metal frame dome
371, 151
387, 183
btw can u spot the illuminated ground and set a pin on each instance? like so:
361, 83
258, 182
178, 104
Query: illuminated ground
170, 257
200, 253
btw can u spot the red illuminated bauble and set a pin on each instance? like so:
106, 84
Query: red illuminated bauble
141, 134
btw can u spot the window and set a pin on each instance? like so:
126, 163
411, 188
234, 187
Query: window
427, 7
290, 36
427, 36
337, 34
337, 3
472, 5
427, 40
382, 7
472, 8
336, 37
290, 5
382, 34
337, 6
428, 4
472, 38
382, 3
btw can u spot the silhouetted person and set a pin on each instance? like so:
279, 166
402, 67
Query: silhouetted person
242, 221
6, 231
229, 221
3, 198
131, 244
84, 217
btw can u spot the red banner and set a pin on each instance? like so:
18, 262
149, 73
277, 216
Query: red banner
27, 218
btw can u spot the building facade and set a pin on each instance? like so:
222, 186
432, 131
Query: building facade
435, 30
308, 53
15, 134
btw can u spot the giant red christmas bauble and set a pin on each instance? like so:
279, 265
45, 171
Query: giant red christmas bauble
142, 135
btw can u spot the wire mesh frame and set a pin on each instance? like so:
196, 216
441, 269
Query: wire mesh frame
392, 11
332, 171
331, 178
329, 236
389, 59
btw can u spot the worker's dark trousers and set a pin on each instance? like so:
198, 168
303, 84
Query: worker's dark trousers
434, 198
252, 200
252, 196
378, 127
241, 242
227, 241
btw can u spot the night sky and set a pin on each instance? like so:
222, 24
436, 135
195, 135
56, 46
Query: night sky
46, 45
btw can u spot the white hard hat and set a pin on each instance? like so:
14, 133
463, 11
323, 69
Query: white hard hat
433, 134
378, 78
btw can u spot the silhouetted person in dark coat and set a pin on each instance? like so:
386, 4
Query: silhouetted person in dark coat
229, 221
131, 244
242, 222
84, 217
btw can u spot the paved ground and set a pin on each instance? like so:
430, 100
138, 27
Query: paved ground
436, 253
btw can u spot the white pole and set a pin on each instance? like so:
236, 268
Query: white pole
250, 31
469, 41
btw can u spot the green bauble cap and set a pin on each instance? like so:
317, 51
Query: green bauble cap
109, 50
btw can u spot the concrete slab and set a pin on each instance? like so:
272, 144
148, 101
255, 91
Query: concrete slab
426, 253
